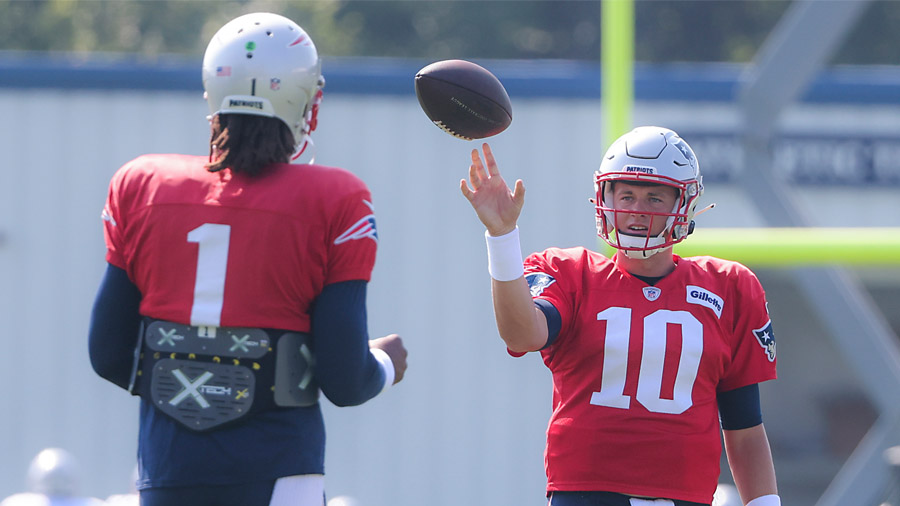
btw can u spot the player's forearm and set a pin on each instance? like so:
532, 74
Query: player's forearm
347, 372
522, 326
750, 459
114, 327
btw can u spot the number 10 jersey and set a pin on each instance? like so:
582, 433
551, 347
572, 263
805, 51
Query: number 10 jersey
636, 369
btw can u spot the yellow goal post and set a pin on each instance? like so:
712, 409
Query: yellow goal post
794, 246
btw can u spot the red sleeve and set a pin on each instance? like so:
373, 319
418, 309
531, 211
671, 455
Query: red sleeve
352, 240
545, 273
113, 222
753, 348
547, 277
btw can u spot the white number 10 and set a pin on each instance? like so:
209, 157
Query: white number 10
209, 285
615, 360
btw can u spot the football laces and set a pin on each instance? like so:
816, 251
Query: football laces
444, 127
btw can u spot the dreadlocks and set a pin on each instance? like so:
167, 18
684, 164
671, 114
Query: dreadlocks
247, 143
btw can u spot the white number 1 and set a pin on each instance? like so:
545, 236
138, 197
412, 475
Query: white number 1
212, 260
649, 388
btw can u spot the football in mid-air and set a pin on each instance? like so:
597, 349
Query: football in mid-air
463, 99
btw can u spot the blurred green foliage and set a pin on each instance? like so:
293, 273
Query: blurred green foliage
666, 30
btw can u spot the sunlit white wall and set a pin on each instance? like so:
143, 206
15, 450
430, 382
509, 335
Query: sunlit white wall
467, 424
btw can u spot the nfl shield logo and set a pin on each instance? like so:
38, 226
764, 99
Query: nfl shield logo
651, 292
275, 84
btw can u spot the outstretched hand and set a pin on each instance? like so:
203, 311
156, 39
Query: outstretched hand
497, 206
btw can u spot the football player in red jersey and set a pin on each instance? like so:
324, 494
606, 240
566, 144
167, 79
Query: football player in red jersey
651, 354
236, 287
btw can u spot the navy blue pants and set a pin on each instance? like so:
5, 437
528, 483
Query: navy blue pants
244, 494
600, 499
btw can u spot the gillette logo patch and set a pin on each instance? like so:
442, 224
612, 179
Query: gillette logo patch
703, 297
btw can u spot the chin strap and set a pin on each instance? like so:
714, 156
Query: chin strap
641, 254
312, 121
307, 142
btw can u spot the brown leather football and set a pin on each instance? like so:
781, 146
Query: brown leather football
463, 99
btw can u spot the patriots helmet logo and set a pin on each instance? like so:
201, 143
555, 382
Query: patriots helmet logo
766, 338
538, 281
687, 152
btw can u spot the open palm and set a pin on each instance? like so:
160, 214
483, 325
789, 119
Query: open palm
497, 207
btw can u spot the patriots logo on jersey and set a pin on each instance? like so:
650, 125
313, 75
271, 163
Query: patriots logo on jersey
766, 338
538, 281
107, 216
363, 228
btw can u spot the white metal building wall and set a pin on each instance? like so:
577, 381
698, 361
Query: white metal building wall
58, 150
467, 424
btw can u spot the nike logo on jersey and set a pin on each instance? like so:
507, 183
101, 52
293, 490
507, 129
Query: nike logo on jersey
766, 338
703, 297
362, 229
538, 281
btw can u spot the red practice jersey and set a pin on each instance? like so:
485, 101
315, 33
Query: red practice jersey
224, 249
636, 369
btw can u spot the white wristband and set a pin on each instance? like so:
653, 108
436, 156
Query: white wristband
387, 365
505, 256
766, 500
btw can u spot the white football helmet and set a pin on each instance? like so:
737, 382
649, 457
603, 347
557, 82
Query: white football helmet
726, 495
54, 472
650, 155
266, 65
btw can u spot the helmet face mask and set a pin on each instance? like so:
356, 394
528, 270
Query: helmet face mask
264, 64
648, 156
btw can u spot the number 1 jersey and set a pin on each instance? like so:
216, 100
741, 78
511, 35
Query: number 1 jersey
636, 369
224, 249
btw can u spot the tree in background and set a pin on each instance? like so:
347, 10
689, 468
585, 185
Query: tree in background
665, 31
